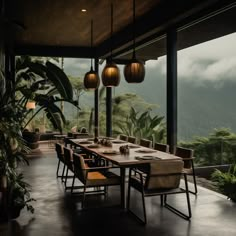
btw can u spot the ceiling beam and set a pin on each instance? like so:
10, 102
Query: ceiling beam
54, 51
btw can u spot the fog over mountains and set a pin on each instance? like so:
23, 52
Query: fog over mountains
206, 86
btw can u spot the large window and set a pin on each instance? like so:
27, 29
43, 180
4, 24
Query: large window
206, 95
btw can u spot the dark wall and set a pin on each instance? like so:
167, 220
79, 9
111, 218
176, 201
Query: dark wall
2, 82
2, 58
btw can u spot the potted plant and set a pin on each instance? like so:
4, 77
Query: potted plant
226, 182
18, 196
12, 152
14, 192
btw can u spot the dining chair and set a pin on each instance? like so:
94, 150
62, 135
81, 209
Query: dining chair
132, 139
145, 143
123, 137
161, 147
92, 177
187, 157
163, 179
60, 156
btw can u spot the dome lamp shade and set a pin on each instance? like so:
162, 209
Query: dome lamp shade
91, 79
111, 75
111, 72
134, 71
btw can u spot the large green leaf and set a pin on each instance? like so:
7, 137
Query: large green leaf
38, 69
156, 121
55, 116
60, 80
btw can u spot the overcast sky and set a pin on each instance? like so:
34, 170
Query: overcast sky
211, 61
214, 60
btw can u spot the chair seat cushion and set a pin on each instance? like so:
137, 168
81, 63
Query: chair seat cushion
95, 176
102, 179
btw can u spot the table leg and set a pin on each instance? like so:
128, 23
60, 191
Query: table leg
122, 192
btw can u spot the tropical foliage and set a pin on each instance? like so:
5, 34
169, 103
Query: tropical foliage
143, 125
226, 182
47, 85
12, 148
216, 149
19, 193
32, 78
78, 91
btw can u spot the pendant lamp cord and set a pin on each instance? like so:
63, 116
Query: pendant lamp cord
111, 29
134, 30
91, 44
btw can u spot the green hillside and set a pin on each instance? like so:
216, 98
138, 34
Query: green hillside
201, 108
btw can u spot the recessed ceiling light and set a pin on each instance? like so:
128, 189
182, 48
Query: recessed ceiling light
83, 10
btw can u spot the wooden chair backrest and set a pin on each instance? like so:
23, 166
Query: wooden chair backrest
164, 175
79, 167
68, 156
132, 139
123, 137
161, 147
145, 143
185, 153
60, 151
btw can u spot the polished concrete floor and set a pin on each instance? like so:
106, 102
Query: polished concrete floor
58, 213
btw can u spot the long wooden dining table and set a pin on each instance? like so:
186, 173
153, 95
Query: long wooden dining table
137, 155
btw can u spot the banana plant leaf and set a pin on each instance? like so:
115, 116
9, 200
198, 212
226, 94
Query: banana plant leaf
60, 80
47, 72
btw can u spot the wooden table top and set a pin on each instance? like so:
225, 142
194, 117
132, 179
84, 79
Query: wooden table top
137, 154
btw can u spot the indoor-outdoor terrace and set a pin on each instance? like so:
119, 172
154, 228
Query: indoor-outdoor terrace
59, 213
132, 177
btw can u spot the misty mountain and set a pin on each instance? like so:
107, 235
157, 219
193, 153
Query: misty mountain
201, 108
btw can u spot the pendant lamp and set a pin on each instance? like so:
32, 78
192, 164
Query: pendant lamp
134, 71
111, 72
91, 78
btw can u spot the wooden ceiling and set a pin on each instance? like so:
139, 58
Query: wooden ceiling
60, 28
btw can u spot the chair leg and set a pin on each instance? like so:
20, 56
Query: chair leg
128, 194
63, 172
58, 166
105, 191
195, 186
162, 201
143, 221
187, 196
176, 211
194, 181
144, 208
67, 170
72, 186
83, 200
